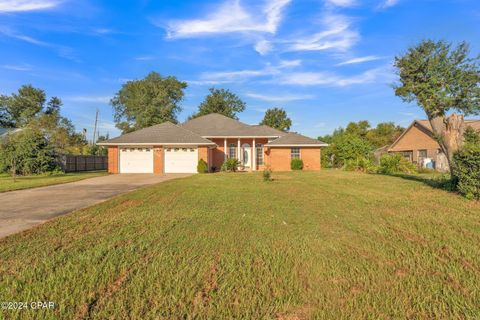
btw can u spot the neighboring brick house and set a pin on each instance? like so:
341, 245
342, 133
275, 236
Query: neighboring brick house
417, 144
171, 148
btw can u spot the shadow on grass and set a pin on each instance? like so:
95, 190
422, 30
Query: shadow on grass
437, 181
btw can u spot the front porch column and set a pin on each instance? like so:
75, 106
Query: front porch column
225, 149
238, 150
254, 156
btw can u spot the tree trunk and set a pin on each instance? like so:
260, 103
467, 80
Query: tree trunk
448, 131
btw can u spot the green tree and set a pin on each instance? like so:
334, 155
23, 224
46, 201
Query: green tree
53, 106
359, 128
146, 102
26, 152
18, 109
440, 78
383, 134
344, 148
471, 136
277, 118
221, 101
58, 130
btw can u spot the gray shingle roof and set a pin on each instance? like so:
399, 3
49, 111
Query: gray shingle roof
164, 133
217, 125
475, 124
295, 139
211, 125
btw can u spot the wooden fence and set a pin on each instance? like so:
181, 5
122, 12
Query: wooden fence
71, 163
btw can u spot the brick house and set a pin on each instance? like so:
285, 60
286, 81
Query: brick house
418, 145
171, 148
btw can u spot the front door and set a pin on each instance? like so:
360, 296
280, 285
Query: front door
246, 155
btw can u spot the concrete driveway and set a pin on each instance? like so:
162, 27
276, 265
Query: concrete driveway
23, 209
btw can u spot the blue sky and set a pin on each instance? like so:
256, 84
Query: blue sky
327, 62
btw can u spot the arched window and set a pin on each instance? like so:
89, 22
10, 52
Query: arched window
232, 150
259, 153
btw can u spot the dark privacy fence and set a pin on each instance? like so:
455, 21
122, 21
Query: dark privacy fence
70, 163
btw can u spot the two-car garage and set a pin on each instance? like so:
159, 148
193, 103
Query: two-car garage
141, 159
159, 149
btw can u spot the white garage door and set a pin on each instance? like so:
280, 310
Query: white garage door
181, 160
136, 160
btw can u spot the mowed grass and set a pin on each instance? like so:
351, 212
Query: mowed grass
327, 245
26, 182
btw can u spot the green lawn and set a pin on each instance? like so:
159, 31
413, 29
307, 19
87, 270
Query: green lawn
26, 182
328, 245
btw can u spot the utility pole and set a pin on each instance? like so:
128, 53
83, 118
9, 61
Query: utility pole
94, 142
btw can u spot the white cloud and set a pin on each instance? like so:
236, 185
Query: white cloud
289, 63
242, 75
102, 31
89, 99
389, 3
263, 47
359, 60
230, 17
12, 34
337, 35
26, 5
62, 51
144, 58
342, 3
279, 97
331, 79
22, 67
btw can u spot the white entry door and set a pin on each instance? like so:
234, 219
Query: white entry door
136, 160
246, 155
181, 160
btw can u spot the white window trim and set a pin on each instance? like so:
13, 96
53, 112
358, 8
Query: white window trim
299, 153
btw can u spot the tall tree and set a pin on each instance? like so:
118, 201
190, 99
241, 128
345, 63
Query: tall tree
277, 118
20, 108
359, 128
146, 102
54, 105
221, 101
385, 133
440, 78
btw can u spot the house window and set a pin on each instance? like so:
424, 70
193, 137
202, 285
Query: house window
407, 155
295, 153
232, 150
422, 154
259, 153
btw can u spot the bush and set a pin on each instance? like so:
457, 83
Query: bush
466, 171
202, 166
395, 163
296, 164
361, 164
230, 165
267, 175
27, 152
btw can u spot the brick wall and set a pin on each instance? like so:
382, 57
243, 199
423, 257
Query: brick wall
279, 158
310, 158
158, 160
417, 139
113, 159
